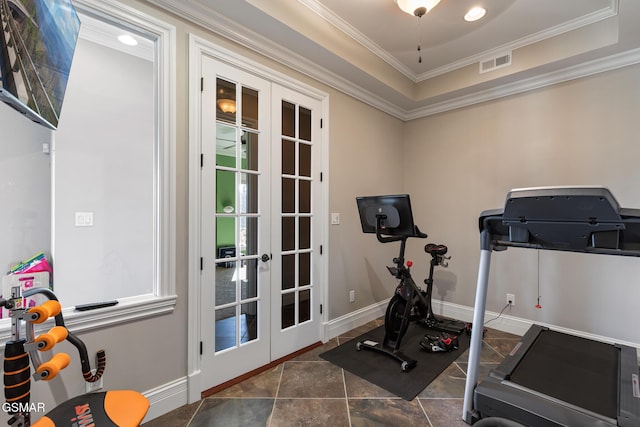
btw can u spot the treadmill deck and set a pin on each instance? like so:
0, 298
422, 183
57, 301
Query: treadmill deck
576, 370
552, 378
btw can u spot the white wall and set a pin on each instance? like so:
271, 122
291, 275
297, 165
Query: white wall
104, 164
25, 188
582, 132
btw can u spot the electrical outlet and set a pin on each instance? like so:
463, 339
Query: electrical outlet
511, 299
352, 296
94, 386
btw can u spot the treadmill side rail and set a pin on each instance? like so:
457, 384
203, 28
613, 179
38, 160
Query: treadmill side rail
494, 398
629, 395
475, 346
509, 364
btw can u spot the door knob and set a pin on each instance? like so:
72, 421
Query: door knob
265, 257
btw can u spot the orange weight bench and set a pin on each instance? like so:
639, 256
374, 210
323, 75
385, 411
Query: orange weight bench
121, 408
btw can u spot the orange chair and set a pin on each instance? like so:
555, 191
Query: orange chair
121, 408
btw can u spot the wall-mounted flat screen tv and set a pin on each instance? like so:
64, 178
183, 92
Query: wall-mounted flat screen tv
37, 41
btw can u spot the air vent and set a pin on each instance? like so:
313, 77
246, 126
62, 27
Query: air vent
503, 60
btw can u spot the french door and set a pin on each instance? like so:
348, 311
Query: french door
295, 221
260, 274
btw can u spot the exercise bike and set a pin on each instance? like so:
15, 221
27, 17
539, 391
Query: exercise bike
391, 219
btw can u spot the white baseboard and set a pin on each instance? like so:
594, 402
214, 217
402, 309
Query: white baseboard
501, 322
511, 324
166, 398
516, 325
343, 324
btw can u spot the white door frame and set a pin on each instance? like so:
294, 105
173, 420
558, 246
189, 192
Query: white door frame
197, 48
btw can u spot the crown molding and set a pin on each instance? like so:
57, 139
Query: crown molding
356, 35
585, 69
348, 29
566, 27
243, 36
223, 26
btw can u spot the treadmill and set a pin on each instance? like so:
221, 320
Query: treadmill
552, 378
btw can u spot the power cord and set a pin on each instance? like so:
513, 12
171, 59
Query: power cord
500, 314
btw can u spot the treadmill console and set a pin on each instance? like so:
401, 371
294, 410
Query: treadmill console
583, 219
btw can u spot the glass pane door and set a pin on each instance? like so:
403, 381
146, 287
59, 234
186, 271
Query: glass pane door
259, 222
235, 217
296, 215
295, 320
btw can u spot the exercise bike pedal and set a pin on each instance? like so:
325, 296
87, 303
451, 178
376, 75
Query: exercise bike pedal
440, 344
449, 326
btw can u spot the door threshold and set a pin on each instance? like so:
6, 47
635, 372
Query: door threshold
246, 376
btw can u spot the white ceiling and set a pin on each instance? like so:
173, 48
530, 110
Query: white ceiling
106, 33
447, 40
367, 48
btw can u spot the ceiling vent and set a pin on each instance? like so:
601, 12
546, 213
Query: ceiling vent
502, 60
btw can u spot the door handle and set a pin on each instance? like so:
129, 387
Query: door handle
265, 257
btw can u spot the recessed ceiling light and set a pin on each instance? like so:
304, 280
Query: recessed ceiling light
128, 40
474, 14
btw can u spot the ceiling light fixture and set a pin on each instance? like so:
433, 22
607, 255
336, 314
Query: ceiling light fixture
227, 105
128, 40
417, 7
475, 13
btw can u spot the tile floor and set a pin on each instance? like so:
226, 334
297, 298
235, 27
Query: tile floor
309, 391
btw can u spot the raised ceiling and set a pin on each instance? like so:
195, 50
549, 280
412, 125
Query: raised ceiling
367, 48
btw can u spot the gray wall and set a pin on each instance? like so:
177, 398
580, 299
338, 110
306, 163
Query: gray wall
365, 159
578, 133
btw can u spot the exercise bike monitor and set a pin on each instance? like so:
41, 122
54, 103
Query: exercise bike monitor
396, 218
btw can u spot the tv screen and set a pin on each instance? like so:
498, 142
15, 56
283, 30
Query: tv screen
37, 41
395, 209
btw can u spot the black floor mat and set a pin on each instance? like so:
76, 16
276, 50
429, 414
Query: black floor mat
385, 371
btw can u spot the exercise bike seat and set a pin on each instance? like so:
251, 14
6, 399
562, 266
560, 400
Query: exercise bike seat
435, 250
117, 408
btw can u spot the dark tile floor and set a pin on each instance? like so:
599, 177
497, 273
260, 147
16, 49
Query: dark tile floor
309, 391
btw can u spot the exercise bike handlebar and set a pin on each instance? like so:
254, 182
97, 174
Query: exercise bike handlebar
87, 373
382, 238
419, 233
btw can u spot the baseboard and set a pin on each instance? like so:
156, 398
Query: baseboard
516, 325
166, 398
502, 322
343, 324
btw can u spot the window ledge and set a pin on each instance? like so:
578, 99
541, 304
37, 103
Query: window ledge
127, 310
